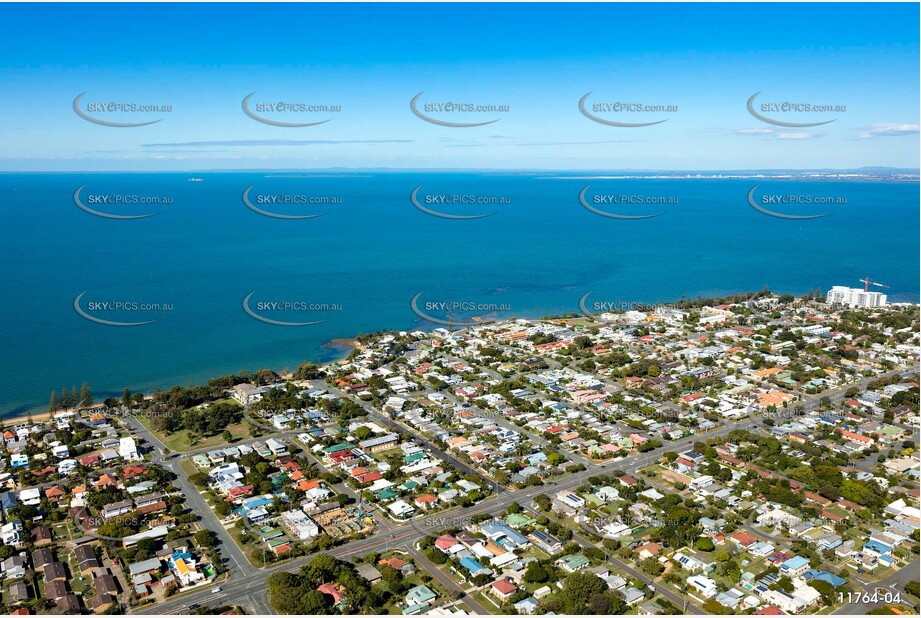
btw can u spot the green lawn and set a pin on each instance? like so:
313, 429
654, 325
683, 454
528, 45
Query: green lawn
80, 584
189, 467
178, 442
486, 600
383, 455
248, 548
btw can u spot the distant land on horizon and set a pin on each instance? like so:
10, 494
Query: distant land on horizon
880, 170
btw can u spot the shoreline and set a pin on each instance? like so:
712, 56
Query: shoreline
41, 415
345, 345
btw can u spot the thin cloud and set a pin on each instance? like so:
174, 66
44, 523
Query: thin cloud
754, 132
612, 141
888, 129
274, 142
799, 135
786, 135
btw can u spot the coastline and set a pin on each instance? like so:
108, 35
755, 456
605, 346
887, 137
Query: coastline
533, 274
39, 415
344, 346
345, 343
22, 418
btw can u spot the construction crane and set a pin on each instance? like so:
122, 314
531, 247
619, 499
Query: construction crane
867, 283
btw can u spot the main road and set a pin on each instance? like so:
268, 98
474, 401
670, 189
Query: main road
252, 588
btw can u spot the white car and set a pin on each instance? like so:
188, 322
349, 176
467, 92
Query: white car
216, 590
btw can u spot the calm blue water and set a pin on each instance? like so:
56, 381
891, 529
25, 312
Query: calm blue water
206, 251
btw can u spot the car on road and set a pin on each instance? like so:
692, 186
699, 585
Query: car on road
216, 590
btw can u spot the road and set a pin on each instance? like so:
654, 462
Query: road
397, 535
893, 585
446, 581
237, 565
252, 590
403, 429
623, 568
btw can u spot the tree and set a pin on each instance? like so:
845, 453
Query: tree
126, 398
307, 371
652, 567
577, 589
363, 433
53, 404
536, 573
227, 436
436, 556
785, 584
285, 591
826, 590
86, 396
315, 602
205, 538
704, 544
321, 570
712, 607
542, 502
223, 509
599, 604
376, 599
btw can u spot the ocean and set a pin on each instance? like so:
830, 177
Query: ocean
188, 268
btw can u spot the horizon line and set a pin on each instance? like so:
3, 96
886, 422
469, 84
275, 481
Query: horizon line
865, 168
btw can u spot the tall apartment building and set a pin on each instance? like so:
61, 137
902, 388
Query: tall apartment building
855, 297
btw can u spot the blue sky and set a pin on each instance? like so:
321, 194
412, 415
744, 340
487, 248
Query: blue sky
539, 60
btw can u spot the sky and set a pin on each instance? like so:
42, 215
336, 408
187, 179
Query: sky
703, 62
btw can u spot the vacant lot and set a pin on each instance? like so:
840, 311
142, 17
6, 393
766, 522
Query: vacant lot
178, 442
